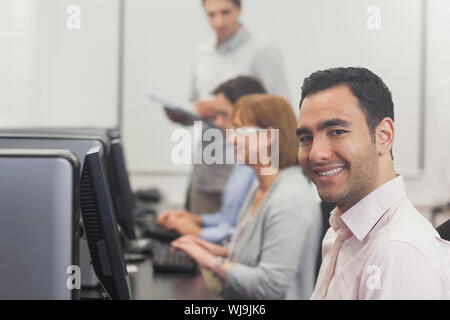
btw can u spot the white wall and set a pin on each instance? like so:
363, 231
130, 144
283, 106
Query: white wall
53, 76
79, 72
19, 63
160, 37
434, 185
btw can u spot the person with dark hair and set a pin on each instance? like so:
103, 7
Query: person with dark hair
378, 246
219, 226
228, 93
272, 253
234, 51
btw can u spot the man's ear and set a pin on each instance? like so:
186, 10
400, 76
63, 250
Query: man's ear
385, 136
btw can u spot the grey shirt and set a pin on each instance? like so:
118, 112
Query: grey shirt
242, 55
274, 256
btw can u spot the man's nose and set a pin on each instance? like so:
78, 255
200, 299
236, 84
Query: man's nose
320, 150
218, 21
218, 122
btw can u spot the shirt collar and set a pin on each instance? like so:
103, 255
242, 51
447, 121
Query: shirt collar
234, 41
365, 214
340, 229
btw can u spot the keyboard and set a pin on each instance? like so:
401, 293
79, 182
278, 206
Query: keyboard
143, 212
151, 229
164, 259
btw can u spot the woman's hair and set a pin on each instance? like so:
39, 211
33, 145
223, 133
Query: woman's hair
269, 110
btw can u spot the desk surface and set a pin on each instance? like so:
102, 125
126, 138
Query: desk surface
145, 285
160, 286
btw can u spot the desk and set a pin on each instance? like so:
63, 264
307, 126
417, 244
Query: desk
145, 285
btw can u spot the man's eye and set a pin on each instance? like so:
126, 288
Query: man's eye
225, 12
304, 139
337, 132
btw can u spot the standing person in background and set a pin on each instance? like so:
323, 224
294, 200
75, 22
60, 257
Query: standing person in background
233, 52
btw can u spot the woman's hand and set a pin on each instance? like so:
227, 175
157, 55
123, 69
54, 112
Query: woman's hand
198, 253
199, 250
213, 248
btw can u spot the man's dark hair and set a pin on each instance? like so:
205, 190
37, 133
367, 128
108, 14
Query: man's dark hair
238, 87
374, 97
237, 3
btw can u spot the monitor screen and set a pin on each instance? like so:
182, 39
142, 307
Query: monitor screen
120, 189
101, 228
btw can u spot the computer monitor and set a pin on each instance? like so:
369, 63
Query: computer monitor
444, 230
120, 189
39, 224
105, 134
81, 141
79, 145
117, 174
101, 228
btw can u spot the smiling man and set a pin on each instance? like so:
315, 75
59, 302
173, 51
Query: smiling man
379, 246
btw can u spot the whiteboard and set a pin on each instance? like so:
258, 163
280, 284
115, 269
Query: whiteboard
160, 37
321, 34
